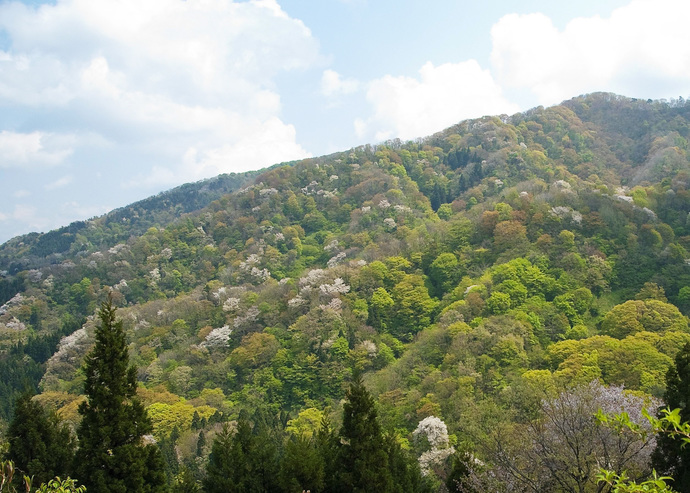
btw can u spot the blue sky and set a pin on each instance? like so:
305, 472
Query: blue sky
103, 103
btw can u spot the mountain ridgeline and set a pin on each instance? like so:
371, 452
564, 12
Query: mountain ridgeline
486, 282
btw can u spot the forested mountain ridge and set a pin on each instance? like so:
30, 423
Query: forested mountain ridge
36, 250
469, 275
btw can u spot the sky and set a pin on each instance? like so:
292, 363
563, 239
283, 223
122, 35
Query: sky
104, 102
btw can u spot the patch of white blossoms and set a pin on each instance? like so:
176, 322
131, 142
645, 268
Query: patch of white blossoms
120, 285
389, 222
564, 212
219, 337
296, 302
250, 316
435, 431
267, 192
369, 347
231, 304
333, 245
333, 261
335, 304
313, 277
14, 301
337, 287
15, 324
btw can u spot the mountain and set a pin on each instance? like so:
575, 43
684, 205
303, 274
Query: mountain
464, 274
38, 249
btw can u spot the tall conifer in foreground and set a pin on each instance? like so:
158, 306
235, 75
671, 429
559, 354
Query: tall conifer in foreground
112, 457
363, 458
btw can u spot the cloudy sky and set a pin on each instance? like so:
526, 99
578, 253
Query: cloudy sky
105, 102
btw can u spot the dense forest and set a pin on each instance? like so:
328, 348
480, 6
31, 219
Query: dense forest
445, 314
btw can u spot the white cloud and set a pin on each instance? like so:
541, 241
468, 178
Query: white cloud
29, 216
408, 107
264, 143
21, 194
59, 183
35, 148
642, 49
72, 211
332, 84
154, 78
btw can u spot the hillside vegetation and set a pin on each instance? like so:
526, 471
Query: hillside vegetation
471, 277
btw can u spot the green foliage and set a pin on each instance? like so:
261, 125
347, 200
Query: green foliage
39, 444
380, 308
445, 272
533, 262
58, 485
638, 315
671, 429
413, 307
246, 460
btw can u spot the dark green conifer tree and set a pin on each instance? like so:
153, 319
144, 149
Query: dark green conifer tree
363, 461
301, 466
405, 471
200, 444
169, 454
246, 461
670, 456
112, 457
39, 445
327, 442
186, 482
229, 468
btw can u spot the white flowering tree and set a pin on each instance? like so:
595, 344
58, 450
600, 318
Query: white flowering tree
431, 435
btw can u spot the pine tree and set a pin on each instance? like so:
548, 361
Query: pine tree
112, 457
229, 468
39, 445
169, 454
301, 466
363, 460
245, 461
200, 444
670, 456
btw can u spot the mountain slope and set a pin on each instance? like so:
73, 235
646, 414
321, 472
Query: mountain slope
463, 273
37, 249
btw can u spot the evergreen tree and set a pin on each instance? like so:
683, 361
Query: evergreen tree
302, 466
245, 461
363, 461
670, 456
405, 471
186, 482
327, 442
39, 445
196, 421
462, 183
229, 469
200, 444
112, 457
169, 454
264, 456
